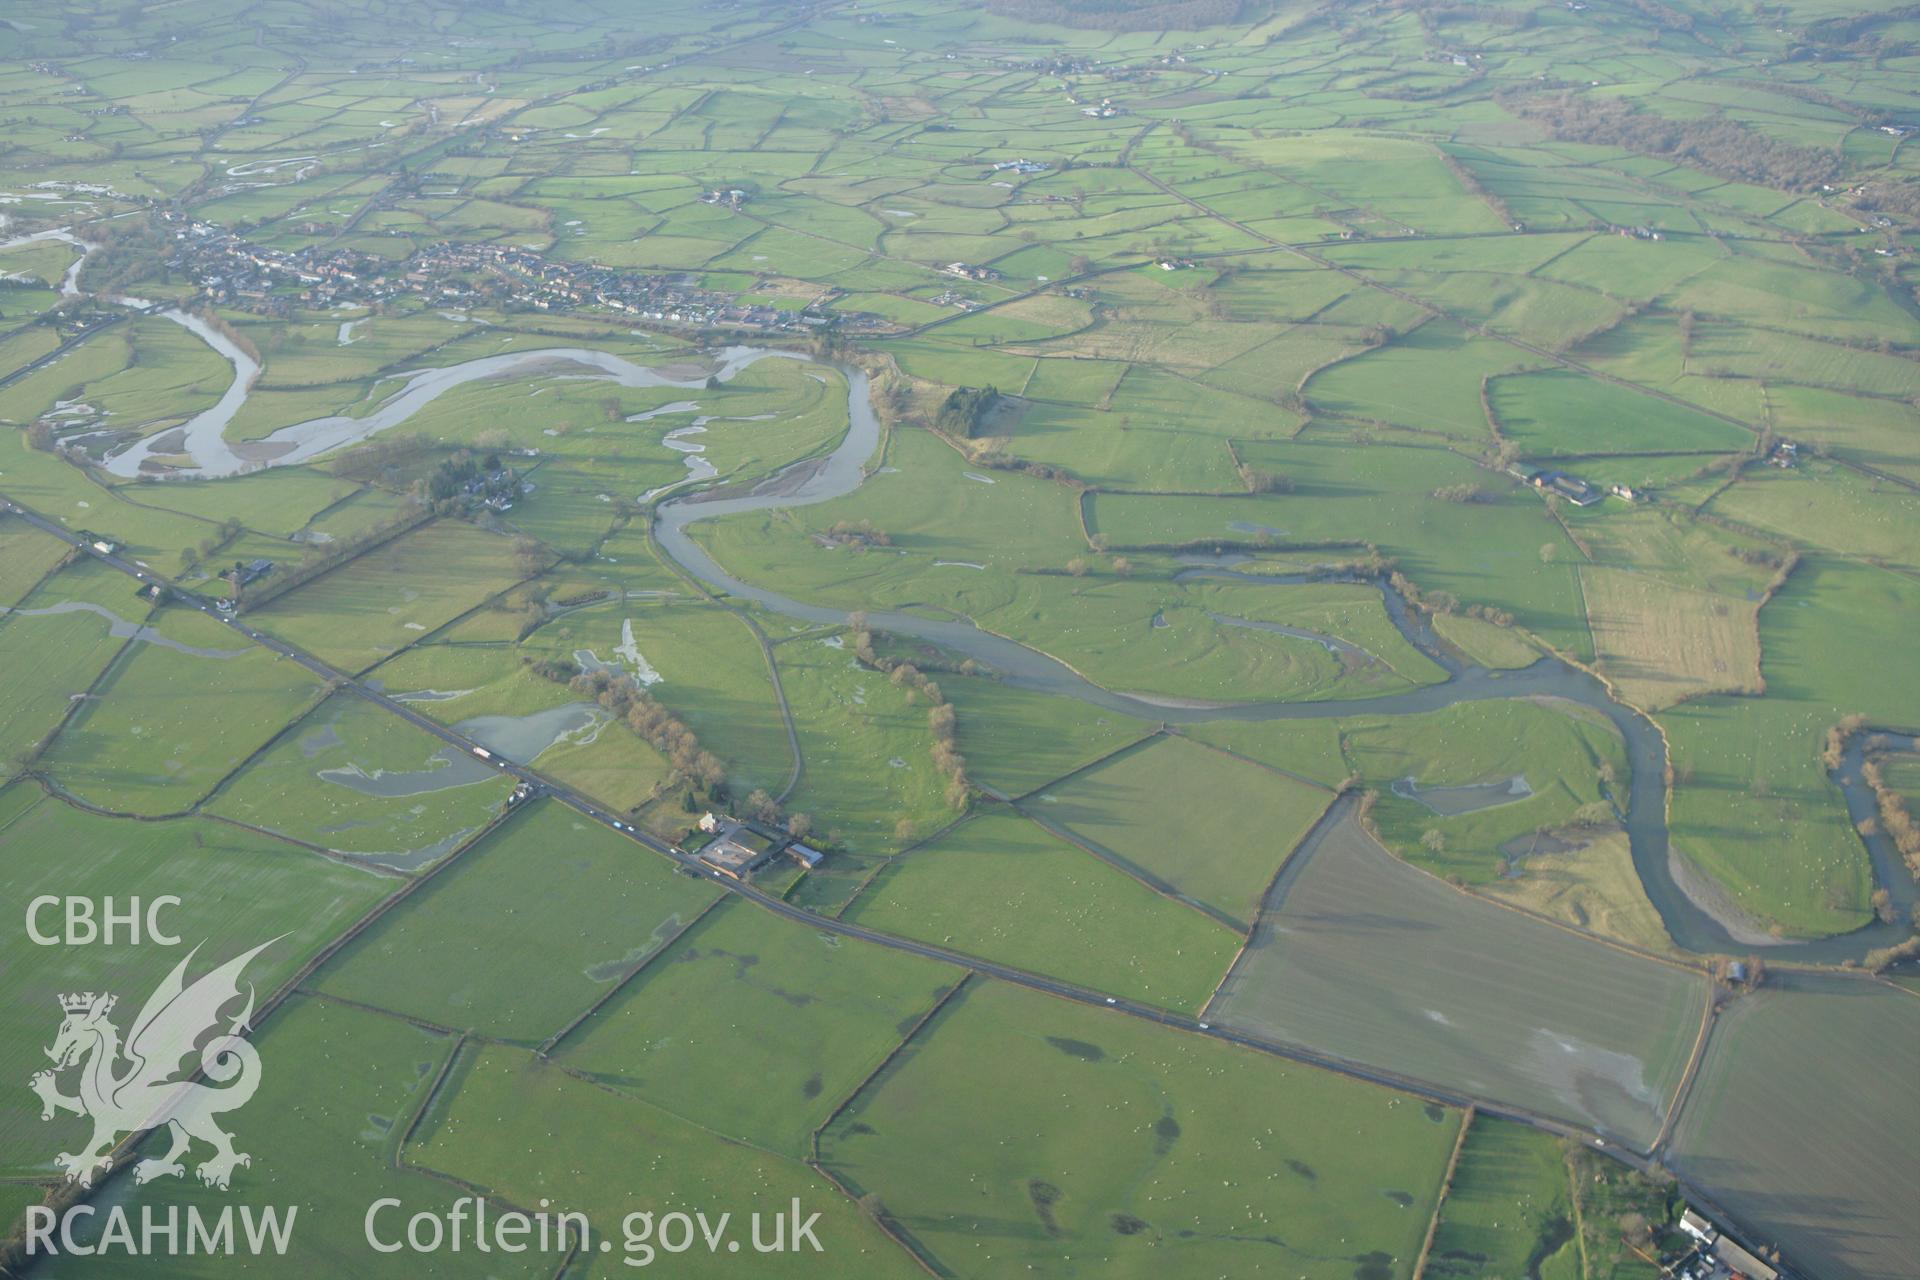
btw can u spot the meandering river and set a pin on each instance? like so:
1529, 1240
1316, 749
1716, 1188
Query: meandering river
1698, 924
1687, 903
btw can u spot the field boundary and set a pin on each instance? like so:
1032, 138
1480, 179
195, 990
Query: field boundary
1625, 948
893, 1053
1230, 753
1289, 866
1141, 741
1138, 874
72, 554
375, 539
332, 855
1684, 1089
1446, 1184
119, 1157
881, 864
85, 696
428, 1098
327, 688
33, 366
547, 1046
1253, 928
882, 1219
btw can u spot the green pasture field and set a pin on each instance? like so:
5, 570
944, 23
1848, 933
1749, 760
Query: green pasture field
1307, 749
268, 409
1073, 381
1821, 304
26, 556
1550, 315
1734, 351
1443, 988
523, 932
1193, 640
756, 1027
1429, 379
612, 764
356, 515
865, 744
1874, 432
1671, 546
1494, 647
1235, 823
1066, 1131
1555, 412
46, 261
1509, 1209
1636, 270
527, 1131
1125, 447
1015, 739
165, 726
808, 404
360, 612
1800, 1115
1902, 774
325, 1140
1504, 551
1561, 749
53, 658
1002, 888
145, 372
21, 303
930, 511
1648, 351
1524, 1202
628, 560
314, 784
64, 494
280, 502
711, 674
306, 357
23, 346
236, 890
482, 679
1379, 658
572, 508
1752, 806
1833, 507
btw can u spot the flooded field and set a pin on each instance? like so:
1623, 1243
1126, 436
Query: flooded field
1364, 957
1803, 1119
521, 738
1448, 801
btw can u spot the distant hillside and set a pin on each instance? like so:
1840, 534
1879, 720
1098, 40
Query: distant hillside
1127, 15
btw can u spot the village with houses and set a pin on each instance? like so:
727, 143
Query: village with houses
232, 271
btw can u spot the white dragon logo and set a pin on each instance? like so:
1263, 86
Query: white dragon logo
148, 1092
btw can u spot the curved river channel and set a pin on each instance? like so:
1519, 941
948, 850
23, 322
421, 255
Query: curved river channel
1693, 923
